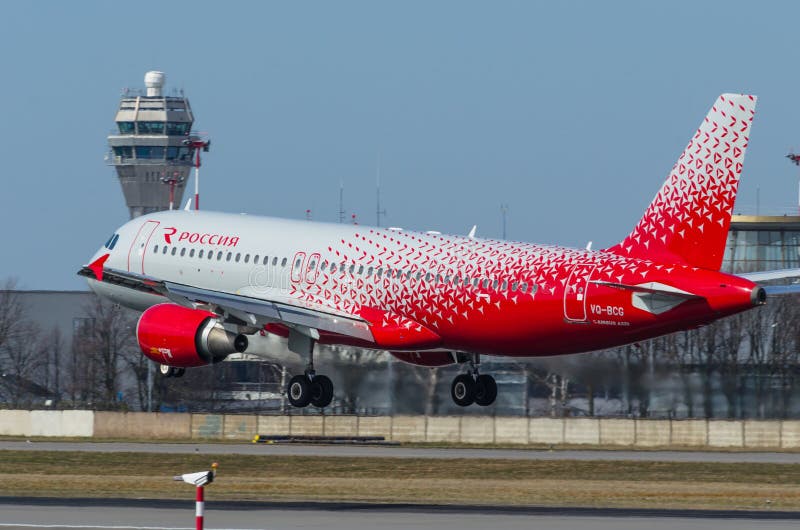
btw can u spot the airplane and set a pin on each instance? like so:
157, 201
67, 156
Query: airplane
211, 284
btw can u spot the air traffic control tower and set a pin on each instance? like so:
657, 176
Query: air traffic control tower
152, 148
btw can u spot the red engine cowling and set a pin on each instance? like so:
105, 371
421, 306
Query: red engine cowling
181, 337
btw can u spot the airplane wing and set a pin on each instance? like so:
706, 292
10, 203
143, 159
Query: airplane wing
247, 309
382, 328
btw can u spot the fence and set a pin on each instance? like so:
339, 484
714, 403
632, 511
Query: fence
588, 432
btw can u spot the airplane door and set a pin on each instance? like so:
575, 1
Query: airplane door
138, 248
575, 293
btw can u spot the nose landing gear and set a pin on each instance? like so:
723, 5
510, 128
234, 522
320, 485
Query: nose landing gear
474, 387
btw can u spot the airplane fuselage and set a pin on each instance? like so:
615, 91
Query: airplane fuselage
472, 295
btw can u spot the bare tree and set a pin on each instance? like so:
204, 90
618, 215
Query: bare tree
24, 362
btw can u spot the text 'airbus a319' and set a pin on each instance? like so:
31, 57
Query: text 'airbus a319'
211, 284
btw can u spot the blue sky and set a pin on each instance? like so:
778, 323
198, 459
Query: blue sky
572, 113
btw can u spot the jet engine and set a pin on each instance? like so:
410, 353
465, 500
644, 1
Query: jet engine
177, 336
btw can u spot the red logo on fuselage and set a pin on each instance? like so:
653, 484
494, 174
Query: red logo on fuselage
168, 233
218, 240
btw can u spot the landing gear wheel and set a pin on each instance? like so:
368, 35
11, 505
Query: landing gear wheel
321, 391
299, 391
179, 372
463, 390
166, 371
485, 390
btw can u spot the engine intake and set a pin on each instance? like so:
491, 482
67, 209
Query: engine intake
178, 336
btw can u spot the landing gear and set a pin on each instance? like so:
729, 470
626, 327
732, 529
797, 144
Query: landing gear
309, 388
474, 387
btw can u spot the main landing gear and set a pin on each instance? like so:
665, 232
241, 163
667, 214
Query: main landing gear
171, 371
474, 387
308, 388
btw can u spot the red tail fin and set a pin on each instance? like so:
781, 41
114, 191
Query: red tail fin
688, 220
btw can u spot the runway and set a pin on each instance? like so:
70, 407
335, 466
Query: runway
404, 452
172, 515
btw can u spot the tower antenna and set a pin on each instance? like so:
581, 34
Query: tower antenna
341, 202
378, 211
504, 217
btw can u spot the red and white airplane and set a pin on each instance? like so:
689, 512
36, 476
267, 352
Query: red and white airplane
210, 284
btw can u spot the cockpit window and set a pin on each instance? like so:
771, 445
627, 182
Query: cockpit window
112, 241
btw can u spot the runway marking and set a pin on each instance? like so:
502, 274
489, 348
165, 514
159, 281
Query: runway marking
28, 525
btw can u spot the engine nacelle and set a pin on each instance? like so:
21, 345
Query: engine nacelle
181, 337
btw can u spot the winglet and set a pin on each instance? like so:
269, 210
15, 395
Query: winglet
472, 232
97, 266
188, 206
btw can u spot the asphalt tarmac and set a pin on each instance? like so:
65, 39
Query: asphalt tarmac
350, 451
172, 515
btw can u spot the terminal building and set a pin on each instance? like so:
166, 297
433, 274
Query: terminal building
762, 243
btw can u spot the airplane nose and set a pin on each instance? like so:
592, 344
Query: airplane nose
758, 296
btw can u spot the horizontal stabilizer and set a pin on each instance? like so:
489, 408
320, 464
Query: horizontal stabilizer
651, 287
764, 276
653, 297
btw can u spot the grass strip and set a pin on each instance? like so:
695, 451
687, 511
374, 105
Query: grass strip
633, 484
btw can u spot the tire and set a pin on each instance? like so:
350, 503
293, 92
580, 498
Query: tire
299, 391
463, 390
485, 390
179, 372
166, 371
321, 391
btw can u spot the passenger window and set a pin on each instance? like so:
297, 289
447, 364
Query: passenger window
333, 267
275, 261
219, 256
229, 256
313, 265
514, 286
379, 273
438, 278
155, 249
266, 260
255, 259
524, 287
247, 258
504, 286
164, 250
183, 252
191, 253
360, 269
486, 283
284, 261
446, 278
174, 250
369, 272
428, 277
495, 283
200, 254
475, 282
297, 264
466, 281
238, 256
